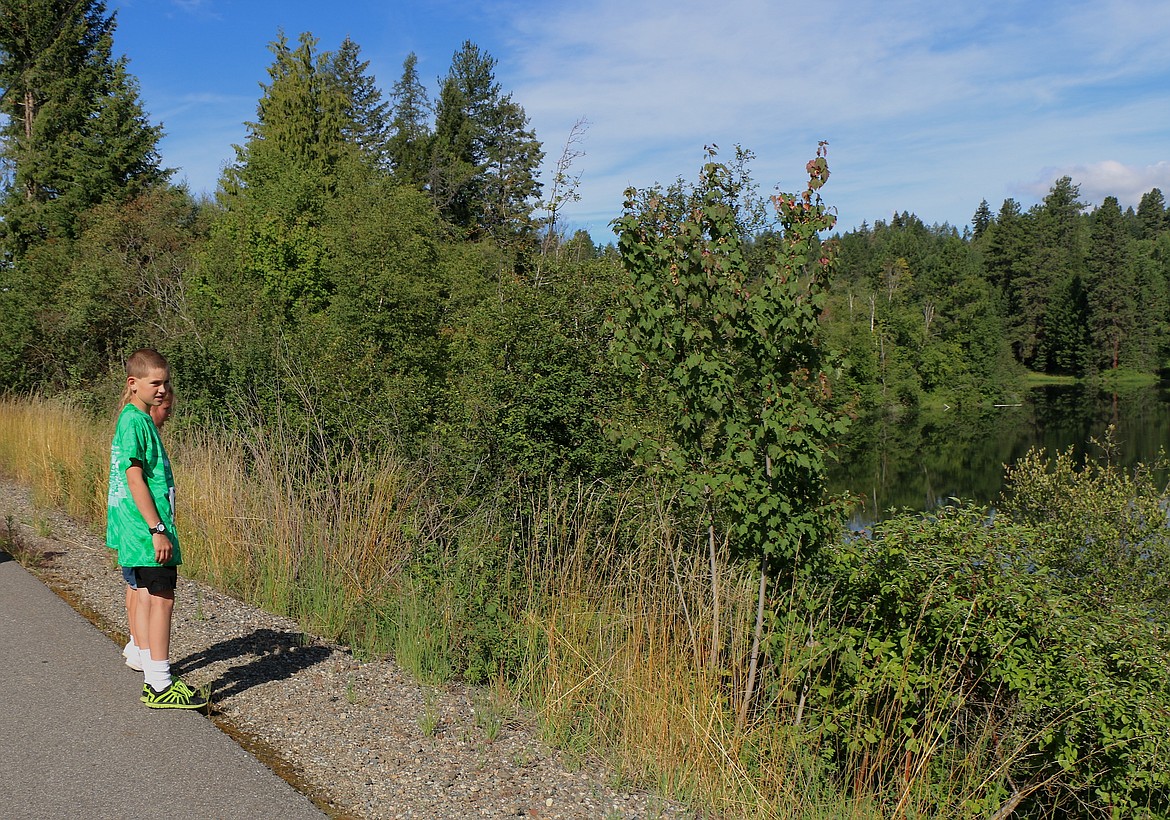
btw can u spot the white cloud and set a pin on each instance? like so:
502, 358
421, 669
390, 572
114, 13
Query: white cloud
1107, 178
926, 107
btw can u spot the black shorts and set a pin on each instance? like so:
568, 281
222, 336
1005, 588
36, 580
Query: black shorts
157, 579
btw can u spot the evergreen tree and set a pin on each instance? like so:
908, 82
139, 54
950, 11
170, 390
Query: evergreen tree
75, 133
511, 188
1111, 285
1052, 271
453, 168
276, 191
1151, 214
410, 137
1003, 244
1061, 217
301, 117
365, 120
1067, 347
484, 159
1151, 300
981, 220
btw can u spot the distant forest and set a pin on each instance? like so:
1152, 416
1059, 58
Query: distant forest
1056, 289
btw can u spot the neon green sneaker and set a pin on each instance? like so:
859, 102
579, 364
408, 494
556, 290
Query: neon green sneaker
176, 696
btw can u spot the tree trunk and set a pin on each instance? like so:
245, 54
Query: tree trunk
750, 689
714, 598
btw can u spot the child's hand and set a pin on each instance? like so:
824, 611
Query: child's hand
162, 548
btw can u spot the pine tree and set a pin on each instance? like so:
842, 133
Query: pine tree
981, 220
1111, 286
1151, 214
511, 188
410, 137
452, 169
484, 159
365, 122
75, 133
1004, 245
1055, 271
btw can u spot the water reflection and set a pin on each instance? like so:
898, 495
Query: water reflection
919, 462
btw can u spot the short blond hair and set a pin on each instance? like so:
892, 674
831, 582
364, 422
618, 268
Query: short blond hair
139, 364
144, 360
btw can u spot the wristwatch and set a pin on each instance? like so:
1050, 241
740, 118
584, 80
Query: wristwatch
160, 528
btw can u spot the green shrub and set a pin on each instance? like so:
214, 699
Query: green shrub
953, 658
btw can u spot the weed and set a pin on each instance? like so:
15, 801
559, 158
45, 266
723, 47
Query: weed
42, 526
429, 720
421, 641
488, 716
11, 541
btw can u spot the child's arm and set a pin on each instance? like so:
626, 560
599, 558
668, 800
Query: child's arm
149, 512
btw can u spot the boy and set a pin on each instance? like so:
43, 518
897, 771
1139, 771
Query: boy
141, 526
135, 648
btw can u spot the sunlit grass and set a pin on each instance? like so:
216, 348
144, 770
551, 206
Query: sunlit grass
612, 607
1035, 379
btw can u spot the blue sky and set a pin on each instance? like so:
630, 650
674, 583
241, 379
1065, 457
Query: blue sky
927, 107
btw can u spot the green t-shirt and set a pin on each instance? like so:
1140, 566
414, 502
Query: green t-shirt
136, 438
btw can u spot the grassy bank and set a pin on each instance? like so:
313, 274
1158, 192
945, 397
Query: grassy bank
589, 594
590, 604
1119, 379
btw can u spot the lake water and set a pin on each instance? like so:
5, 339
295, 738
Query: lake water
920, 462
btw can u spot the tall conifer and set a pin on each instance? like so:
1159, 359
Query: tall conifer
75, 132
366, 121
410, 137
1111, 285
485, 158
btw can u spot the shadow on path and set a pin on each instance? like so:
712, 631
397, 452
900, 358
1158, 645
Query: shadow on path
280, 655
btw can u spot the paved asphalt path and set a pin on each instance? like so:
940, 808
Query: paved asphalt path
75, 742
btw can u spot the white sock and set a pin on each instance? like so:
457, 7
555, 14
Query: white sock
132, 649
156, 673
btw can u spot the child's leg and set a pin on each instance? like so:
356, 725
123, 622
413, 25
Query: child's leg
135, 647
131, 607
136, 639
162, 606
156, 604
142, 619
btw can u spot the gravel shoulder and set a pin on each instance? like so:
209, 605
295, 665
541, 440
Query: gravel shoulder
363, 740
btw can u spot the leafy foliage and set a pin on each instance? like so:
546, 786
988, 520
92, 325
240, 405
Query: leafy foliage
952, 643
1111, 548
366, 284
734, 358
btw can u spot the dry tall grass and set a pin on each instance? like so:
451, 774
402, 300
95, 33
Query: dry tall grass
615, 601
